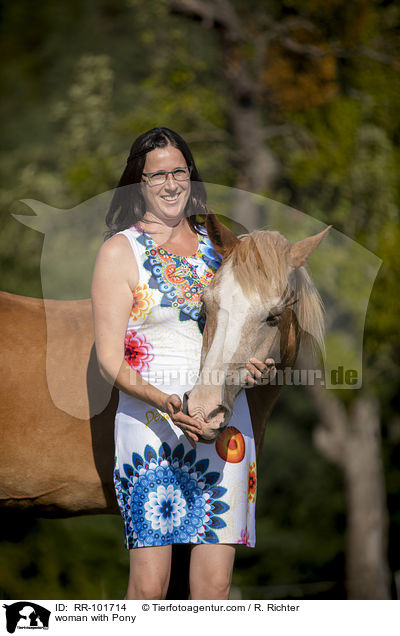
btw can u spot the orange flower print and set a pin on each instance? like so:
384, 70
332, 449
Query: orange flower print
141, 301
189, 293
176, 275
252, 482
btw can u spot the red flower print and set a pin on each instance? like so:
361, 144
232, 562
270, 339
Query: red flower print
137, 351
252, 482
244, 537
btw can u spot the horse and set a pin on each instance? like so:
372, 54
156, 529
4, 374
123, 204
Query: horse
55, 464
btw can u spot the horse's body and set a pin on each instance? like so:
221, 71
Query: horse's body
59, 465
52, 462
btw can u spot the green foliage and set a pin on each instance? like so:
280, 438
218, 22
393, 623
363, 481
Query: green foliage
60, 558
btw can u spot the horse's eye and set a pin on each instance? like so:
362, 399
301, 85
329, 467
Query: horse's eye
273, 320
202, 319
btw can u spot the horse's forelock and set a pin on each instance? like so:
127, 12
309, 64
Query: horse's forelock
260, 263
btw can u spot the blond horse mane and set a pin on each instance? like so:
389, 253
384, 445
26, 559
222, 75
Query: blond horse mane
260, 263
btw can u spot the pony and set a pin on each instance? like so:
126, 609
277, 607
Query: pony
261, 302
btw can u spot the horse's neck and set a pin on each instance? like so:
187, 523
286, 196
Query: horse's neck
261, 399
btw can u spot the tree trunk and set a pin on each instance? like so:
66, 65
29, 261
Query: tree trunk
367, 569
258, 167
352, 441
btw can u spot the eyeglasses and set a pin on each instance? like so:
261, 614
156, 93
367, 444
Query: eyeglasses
158, 178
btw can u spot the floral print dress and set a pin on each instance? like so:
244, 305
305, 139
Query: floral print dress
167, 491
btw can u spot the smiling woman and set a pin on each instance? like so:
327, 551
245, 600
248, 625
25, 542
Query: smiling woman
150, 274
166, 184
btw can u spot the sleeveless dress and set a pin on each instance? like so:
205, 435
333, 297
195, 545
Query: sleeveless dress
168, 492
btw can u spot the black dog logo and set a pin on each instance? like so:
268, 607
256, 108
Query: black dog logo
26, 614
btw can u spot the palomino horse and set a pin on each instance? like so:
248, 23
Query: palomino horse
58, 465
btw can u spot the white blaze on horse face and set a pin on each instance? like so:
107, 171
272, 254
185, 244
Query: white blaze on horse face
239, 331
233, 310
240, 328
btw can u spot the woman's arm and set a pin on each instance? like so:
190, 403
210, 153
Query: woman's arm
115, 276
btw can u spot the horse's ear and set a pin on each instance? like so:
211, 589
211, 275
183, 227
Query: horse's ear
300, 251
221, 237
44, 215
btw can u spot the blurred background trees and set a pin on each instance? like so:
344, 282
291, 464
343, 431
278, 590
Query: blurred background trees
297, 101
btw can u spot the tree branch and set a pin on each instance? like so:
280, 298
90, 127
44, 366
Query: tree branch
365, 51
219, 15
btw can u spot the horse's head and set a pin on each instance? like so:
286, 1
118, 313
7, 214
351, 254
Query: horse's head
259, 290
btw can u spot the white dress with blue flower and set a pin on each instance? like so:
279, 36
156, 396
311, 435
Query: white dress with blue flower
167, 491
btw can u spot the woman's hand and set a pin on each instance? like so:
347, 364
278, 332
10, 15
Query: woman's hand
191, 428
260, 372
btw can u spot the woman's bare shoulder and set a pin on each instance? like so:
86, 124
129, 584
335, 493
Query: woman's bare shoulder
116, 255
116, 245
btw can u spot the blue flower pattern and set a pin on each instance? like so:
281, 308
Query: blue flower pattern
169, 497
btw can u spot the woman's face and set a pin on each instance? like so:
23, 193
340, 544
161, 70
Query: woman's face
168, 200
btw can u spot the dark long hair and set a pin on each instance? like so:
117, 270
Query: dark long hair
127, 204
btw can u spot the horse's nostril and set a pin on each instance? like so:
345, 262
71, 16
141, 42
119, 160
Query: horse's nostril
219, 410
185, 402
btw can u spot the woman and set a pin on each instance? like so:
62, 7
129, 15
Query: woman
146, 291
